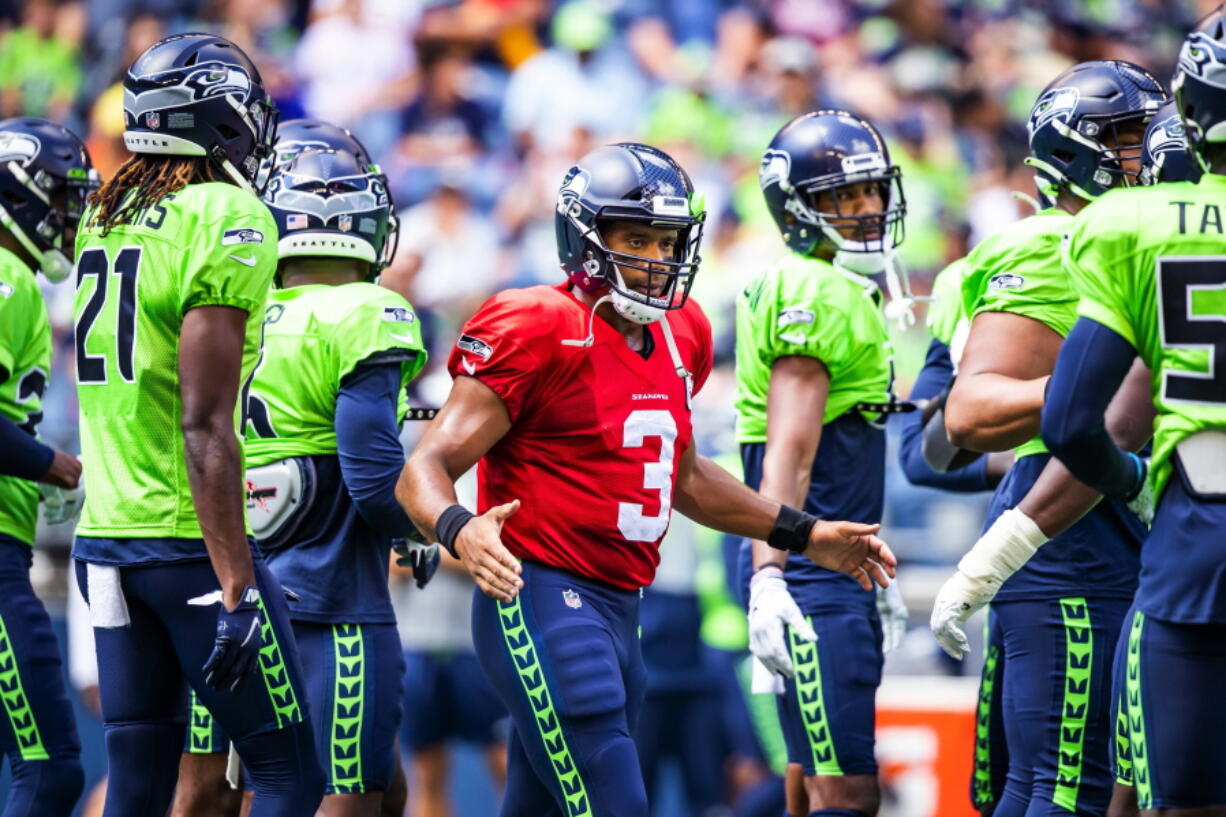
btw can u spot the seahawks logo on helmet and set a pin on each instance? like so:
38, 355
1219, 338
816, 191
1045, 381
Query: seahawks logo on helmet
1197, 58
217, 79
1058, 103
19, 147
573, 187
775, 168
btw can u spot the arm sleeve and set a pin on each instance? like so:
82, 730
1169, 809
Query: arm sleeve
232, 257
1092, 363
368, 445
937, 372
21, 455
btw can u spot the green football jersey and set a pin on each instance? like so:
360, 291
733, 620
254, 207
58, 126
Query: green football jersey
809, 307
946, 319
25, 364
1150, 264
206, 245
1019, 269
314, 337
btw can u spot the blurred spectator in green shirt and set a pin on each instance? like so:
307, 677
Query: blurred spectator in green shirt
39, 73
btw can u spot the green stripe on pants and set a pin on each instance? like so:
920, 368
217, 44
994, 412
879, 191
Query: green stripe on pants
200, 726
276, 674
348, 702
811, 700
1136, 714
532, 676
16, 704
1078, 668
983, 729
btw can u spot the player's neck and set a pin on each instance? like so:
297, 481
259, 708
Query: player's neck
329, 272
1070, 202
634, 333
9, 242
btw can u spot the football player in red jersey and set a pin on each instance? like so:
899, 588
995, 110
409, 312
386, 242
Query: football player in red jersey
576, 401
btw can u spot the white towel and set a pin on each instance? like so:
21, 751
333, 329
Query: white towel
107, 606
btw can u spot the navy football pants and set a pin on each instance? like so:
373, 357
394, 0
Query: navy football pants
1057, 704
564, 658
144, 669
37, 731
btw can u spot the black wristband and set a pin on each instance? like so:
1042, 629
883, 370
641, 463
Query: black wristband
448, 525
792, 528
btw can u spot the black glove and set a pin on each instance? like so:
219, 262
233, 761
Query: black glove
418, 555
236, 648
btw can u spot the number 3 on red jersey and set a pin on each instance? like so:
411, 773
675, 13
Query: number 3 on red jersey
657, 476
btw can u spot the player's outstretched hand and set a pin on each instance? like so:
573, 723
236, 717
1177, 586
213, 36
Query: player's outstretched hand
236, 648
479, 545
851, 548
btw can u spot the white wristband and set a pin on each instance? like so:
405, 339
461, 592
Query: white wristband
1003, 548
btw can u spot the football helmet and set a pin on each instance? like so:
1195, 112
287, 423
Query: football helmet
1075, 117
1164, 155
629, 181
45, 177
200, 95
298, 135
328, 204
1200, 85
819, 152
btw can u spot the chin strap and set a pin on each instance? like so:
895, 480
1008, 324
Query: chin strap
901, 307
671, 343
591, 324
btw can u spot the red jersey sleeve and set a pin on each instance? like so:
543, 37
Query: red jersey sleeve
499, 346
699, 331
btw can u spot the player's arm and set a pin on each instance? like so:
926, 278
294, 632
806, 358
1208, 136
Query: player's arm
368, 445
24, 457
932, 381
996, 401
1091, 366
1107, 391
469, 424
712, 497
210, 367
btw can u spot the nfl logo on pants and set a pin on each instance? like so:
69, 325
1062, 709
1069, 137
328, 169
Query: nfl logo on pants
572, 599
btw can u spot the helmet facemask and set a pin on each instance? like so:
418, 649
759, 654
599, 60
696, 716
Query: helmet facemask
52, 240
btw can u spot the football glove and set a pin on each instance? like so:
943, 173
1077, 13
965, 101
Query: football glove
1143, 503
61, 504
236, 648
419, 556
999, 553
893, 613
771, 606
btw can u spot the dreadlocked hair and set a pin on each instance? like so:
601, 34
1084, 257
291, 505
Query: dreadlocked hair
143, 181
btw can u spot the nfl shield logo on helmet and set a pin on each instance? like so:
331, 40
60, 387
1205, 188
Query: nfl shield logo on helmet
572, 599
345, 223
153, 119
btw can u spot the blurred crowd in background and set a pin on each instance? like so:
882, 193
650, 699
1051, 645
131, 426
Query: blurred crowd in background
476, 108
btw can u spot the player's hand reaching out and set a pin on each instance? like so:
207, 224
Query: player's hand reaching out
479, 545
852, 548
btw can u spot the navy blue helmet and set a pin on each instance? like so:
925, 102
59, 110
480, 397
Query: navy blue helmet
199, 95
1164, 155
298, 135
1200, 85
816, 153
45, 177
327, 204
1081, 127
629, 181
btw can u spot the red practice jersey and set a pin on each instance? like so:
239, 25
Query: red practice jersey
596, 432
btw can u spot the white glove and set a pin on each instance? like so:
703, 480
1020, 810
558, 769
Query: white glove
1143, 503
770, 607
999, 553
61, 504
892, 611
